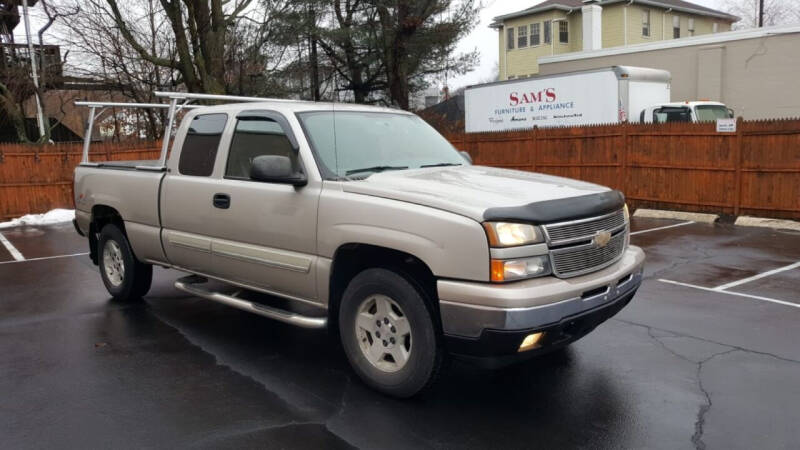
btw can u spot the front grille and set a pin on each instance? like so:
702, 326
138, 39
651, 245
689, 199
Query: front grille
584, 229
573, 249
581, 259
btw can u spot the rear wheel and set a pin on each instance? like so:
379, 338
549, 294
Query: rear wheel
124, 276
388, 332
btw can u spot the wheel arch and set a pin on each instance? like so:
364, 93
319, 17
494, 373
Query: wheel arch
352, 258
101, 216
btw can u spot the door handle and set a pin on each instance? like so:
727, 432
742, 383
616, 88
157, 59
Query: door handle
222, 201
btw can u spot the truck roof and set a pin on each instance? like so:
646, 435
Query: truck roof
292, 106
692, 103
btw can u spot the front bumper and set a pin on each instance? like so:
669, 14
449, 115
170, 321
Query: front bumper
483, 319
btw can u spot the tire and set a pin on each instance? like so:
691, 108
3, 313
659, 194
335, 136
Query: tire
124, 276
403, 355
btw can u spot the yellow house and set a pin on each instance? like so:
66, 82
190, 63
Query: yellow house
562, 26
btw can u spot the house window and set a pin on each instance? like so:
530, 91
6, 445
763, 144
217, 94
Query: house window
646, 22
548, 31
522, 37
676, 27
691, 27
563, 32
536, 37
510, 39
714, 27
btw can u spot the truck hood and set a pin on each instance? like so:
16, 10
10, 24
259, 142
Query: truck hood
481, 192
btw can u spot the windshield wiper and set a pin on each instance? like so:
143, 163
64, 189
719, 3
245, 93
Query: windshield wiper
375, 169
441, 165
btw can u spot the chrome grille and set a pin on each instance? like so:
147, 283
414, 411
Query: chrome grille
581, 259
584, 229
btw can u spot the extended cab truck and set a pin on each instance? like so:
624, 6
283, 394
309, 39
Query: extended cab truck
367, 220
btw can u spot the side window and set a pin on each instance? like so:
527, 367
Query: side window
510, 39
257, 136
200, 145
672, 114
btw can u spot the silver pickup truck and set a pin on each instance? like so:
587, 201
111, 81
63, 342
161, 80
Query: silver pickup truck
367, 221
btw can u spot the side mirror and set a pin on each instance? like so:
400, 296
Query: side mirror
731, 113
276, 169
466, 156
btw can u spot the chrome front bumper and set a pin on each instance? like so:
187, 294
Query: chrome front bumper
469, 308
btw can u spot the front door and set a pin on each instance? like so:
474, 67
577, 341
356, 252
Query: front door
266, 236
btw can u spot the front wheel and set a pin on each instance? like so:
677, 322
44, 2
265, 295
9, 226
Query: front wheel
388, 333
124, 276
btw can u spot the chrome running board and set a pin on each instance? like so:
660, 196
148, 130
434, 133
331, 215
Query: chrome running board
190, 285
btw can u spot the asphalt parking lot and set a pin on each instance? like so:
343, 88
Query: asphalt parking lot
706, 356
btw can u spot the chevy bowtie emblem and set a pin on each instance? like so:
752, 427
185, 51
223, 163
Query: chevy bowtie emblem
601, 238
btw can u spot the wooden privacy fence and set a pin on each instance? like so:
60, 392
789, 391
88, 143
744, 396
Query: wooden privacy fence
680, 166
37, 179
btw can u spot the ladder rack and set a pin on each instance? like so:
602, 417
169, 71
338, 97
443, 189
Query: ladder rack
177, 101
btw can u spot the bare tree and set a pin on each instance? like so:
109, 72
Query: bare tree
199, 29
16, 83
776, 12
107, 57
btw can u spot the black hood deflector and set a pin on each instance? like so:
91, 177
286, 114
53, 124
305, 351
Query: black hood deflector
560, 210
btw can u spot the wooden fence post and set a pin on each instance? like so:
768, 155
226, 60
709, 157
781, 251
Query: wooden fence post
624, 158
535, 146
737, 202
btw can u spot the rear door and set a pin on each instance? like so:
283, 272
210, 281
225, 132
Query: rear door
187, 200
266, 237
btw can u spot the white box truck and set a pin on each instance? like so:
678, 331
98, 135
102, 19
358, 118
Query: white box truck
610, 95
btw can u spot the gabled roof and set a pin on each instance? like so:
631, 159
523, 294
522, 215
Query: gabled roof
570, 5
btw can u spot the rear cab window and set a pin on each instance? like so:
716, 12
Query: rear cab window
200, 145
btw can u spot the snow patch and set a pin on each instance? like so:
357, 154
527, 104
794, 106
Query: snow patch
48, 218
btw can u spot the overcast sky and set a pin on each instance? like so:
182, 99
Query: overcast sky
485, 39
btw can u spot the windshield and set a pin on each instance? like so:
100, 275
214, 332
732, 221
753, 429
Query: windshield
352, 142
710, 113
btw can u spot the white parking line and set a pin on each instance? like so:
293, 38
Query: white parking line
738, 294
11, 249
44, 258
663, 228
757, 276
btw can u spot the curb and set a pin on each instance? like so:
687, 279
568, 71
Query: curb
677, 215
778, 224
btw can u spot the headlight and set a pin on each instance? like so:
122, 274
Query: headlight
627, 213
506, 234
519, 269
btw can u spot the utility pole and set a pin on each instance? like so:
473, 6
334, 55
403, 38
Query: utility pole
34, 71
761, 13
